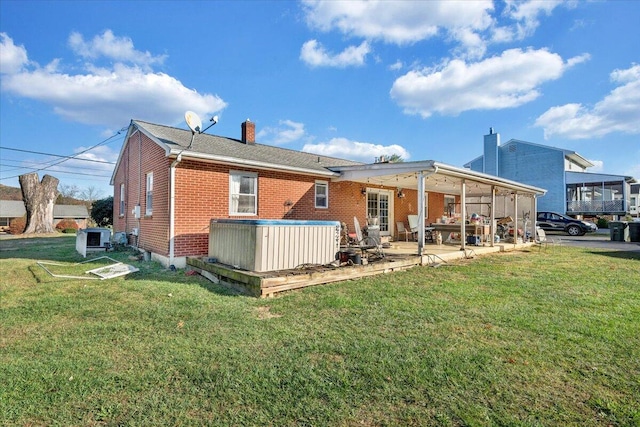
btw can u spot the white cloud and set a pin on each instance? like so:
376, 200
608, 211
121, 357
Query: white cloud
107, 45
616, 112
470, 25
526, 14
288, 131
598, 166
506, 81
109, 96
359, 151
12, 58
396, 66
315, 55
399, 22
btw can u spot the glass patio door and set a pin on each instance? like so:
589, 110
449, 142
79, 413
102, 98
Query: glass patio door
378, 205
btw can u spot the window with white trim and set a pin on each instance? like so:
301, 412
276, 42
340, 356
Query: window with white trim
121, 211
449, 205
322, 194
149, 195
243, 193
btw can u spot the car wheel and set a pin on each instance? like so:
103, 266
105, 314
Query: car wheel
574, 230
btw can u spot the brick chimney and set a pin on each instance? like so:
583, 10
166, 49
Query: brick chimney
249, 132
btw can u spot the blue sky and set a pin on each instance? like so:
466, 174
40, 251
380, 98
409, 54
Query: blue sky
351, 79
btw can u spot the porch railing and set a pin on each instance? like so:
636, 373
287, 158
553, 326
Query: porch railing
597, 206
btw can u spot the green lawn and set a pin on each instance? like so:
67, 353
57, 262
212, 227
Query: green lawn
532, 338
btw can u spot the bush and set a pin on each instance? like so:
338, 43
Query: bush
102, 212
602, 223
67, 224
17, 225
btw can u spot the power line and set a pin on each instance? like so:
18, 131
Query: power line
57, 155
16, 164
73, 173
66, 158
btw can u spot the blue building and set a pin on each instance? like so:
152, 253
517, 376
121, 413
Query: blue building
563, 173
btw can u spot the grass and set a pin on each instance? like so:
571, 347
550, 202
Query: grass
525, 339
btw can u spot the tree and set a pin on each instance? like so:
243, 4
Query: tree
90, 194
102, 211
395, 158
39, 198
68, 194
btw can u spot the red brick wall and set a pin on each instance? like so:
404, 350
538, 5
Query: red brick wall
141, 156
202, 193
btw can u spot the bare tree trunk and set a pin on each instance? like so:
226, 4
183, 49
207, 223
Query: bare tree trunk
39, 198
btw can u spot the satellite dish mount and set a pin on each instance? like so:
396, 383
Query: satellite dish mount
195, 124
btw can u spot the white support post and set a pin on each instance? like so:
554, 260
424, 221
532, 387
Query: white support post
492, 227
421, 208
515, 218
463, 213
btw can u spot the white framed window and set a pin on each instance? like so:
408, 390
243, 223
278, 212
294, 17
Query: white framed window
243, 193
449, 205
149, 195
121, 211
322, 194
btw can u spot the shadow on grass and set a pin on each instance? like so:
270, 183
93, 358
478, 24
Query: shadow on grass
62, 249
618, 254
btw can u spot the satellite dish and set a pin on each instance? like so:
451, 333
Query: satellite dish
193, 121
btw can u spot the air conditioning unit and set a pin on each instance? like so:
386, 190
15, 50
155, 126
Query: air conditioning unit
93, 239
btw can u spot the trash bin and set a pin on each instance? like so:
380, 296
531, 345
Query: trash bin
619, 231
634, 231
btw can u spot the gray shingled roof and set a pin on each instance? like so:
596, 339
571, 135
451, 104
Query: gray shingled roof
16, 209
12, 208
212, 145
70, 211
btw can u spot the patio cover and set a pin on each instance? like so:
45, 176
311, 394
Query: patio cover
432, 176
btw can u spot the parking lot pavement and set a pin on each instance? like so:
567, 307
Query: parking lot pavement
601, 239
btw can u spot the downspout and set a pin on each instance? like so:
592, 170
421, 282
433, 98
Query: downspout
172, 207
139, 189
172, 200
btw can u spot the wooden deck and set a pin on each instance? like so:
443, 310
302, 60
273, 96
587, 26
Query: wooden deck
400, 256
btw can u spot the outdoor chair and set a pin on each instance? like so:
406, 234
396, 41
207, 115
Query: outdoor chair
367, 243
413, 224
400, 229
541, 239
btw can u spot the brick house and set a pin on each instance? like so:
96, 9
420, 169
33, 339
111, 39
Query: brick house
169, 183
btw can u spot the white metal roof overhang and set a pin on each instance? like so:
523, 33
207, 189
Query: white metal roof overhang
439, 178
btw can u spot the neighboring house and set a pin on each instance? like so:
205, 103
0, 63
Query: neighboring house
11, 209
570, 188
169, 183
634, 200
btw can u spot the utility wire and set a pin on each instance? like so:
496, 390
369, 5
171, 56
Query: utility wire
16, 164
74, 173
57, 155
66, 158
